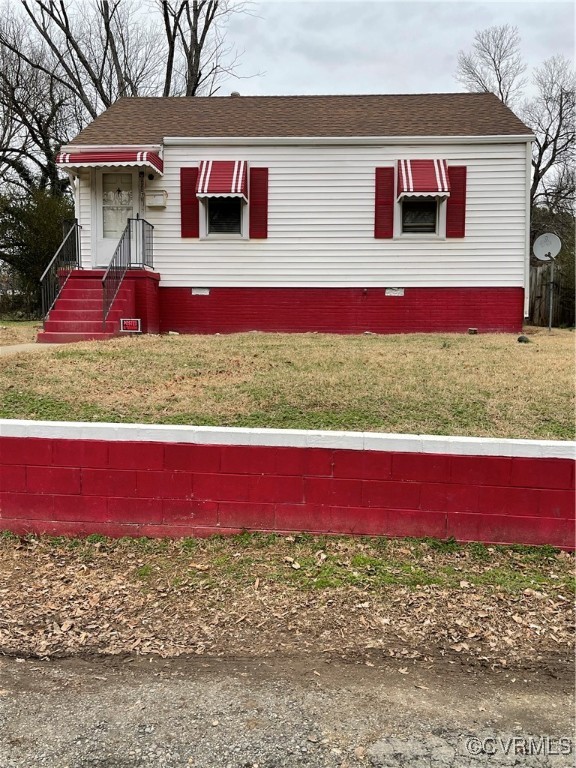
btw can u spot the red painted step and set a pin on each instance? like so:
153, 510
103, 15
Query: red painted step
82, 326
77, 314
84, 314
56, 337
82, 293
86, 283
69, 304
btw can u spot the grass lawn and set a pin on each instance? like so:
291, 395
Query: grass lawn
485, 385
18, 331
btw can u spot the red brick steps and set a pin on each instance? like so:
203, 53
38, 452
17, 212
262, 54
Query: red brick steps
57, 337
77, 314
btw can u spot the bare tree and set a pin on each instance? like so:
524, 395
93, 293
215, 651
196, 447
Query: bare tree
65, 61
197, 54
551, 114
494, 64
106, 49
62, 62
99, 51
34, 115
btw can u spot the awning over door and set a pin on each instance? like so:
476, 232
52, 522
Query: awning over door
418, 178
223, 178
119, 158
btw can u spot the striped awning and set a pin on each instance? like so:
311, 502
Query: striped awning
119, 158
222, 178
418, 178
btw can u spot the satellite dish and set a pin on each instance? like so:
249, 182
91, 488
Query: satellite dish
547, 246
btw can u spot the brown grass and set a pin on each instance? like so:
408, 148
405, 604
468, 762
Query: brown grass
486, 385
18, 332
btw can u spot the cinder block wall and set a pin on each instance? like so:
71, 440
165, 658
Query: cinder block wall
136, 480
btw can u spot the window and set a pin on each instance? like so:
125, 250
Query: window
224, 215
419, 216
215, 204
425, 198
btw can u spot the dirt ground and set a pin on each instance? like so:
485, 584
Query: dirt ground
270, 652
18, 332
261, 594
318, 710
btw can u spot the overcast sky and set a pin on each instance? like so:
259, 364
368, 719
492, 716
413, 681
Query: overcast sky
383, 46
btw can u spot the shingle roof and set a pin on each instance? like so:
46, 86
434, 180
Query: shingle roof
147, 120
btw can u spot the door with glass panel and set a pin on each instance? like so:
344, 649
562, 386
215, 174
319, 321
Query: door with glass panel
117, 202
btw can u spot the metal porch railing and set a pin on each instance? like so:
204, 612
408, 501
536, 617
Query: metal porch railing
143, 244
135, 249
56, 274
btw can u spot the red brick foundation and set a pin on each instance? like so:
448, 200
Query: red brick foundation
159, 481
145, 288
341, 310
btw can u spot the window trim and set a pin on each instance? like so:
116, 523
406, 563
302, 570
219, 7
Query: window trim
440, 233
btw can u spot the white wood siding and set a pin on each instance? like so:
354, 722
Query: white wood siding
321, 222
84, 215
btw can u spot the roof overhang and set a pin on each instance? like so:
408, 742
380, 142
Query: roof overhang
236, 141
112, 148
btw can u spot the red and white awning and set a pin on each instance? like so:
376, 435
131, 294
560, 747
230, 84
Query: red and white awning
419, 178
223, 178
119, 158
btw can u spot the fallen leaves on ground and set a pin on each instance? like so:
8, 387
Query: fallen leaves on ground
117, 597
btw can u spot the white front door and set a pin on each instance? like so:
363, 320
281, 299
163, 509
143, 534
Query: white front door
117, 201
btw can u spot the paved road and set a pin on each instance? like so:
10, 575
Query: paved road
279, 713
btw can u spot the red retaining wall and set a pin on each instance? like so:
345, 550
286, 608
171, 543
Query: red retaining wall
161, 487
341, 310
